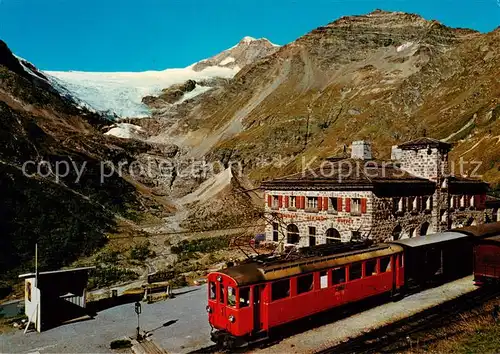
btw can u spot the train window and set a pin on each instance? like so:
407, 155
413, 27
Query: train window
221, 294
305, 283
280, 289
244, 297
402, 261
231, 296
371, 267
385, 264
212, 290
323, 279
338, 276
355, 271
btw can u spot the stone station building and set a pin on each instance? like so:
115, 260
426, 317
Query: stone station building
362, 198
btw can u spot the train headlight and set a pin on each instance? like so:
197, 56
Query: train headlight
231, 318
219, 278
209, 309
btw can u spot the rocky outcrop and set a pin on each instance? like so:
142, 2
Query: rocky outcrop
170, 95
386, 77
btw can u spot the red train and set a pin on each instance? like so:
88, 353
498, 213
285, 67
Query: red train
487, 261
247, 301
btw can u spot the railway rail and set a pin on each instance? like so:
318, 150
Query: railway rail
433, 318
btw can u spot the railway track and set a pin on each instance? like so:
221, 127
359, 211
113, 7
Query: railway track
376, 340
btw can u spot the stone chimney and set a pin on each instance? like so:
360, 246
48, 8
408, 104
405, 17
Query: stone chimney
396, 153
361, 150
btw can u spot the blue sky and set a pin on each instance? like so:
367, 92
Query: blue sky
133, 35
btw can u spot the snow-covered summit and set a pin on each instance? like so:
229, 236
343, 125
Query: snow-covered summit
245, 52
122, 92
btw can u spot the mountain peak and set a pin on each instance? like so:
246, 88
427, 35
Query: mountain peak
247, 51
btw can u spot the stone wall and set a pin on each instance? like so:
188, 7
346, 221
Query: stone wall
344, 222
385, 220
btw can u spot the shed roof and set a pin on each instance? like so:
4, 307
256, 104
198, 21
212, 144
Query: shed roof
73, 270
430, 239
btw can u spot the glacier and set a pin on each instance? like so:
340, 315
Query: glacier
122, 92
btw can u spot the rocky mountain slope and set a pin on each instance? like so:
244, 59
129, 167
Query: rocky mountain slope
53, 188
387, 77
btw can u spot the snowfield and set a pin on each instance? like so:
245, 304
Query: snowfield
126, 131
122, 92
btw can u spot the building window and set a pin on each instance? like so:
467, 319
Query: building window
312, 236
304, 283
280, 289
355, 206
275, 201
428, 203
293, 236
293, 202
312, 203
396, 232
333, 204
275, 232
397, 206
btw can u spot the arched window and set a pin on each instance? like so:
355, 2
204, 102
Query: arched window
333, 236
424, 229
396, 233
292, 234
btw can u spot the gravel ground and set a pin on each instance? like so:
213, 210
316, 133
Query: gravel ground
191, 331
335, 333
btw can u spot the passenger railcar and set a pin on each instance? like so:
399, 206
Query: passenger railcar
248, 300
436, 258
487, 261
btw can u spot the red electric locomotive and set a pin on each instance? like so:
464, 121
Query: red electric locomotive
248, 300
487, 261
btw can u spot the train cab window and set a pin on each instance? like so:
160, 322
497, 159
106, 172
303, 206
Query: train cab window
305, 283
212, 290
244, 297
221, 294
323, 279
338, 276
371, 267
355, 271
385, 264
280, 289
231, 296
401, 264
